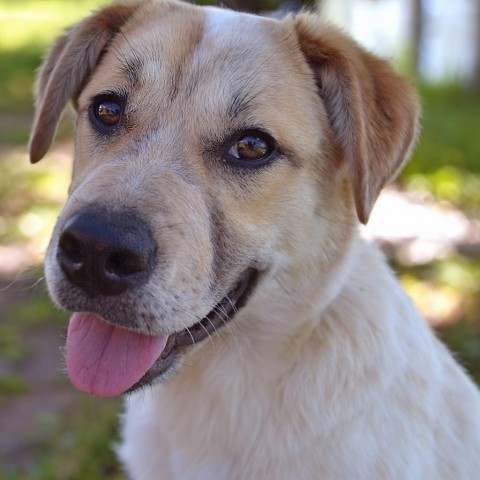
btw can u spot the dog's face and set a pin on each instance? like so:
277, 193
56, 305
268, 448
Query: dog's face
213, 150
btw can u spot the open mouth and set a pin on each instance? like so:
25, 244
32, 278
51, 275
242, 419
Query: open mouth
218, 317
107, 360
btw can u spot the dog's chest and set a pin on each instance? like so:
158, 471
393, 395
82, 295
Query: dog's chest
218, 424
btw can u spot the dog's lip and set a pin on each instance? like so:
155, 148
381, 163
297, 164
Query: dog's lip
219, 316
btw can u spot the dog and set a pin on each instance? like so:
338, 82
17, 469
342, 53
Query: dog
211, 254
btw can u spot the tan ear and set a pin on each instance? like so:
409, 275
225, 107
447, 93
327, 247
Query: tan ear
66, 69
373, 112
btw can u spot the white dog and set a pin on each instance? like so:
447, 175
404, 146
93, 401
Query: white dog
223, 162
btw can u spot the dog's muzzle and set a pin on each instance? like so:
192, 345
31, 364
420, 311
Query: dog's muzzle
106, 255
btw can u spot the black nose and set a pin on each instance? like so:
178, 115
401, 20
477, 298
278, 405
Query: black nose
105, 254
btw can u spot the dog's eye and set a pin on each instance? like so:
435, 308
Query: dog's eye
106, 111
251, 149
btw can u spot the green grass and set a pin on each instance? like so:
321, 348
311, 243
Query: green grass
450, 129
13, 384
26, 30
76, 446
34, 22
81, 447
447, 159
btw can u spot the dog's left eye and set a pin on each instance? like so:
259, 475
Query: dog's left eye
106, 112
251, 149
109, 113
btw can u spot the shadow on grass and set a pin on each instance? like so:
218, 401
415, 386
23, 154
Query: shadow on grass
49, 431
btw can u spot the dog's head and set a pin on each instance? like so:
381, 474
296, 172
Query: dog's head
213, 151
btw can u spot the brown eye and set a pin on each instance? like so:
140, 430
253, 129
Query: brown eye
108, 112
251, 148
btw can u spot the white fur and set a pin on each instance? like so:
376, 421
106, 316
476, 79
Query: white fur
218, 19
365, 392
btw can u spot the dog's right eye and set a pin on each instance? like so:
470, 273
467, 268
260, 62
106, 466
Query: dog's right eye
106, 112
251, 148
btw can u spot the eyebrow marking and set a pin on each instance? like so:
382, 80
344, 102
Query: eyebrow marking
131, 68
240, 103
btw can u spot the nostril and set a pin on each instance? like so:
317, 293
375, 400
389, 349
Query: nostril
125, 263
70, 250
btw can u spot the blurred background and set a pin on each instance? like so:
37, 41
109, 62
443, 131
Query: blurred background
428, 222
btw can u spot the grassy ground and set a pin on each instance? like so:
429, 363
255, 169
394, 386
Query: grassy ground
49, 431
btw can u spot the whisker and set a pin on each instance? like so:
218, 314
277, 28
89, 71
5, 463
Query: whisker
191, 336
229, 330
227, 322
24, 288
209, 336
225, 295
220, 332
234, 307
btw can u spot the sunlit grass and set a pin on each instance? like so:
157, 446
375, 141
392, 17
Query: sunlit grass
29, 194
447, 292
34, 23
448, 154
27, 28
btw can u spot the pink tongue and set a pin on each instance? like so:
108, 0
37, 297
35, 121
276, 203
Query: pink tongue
107, 360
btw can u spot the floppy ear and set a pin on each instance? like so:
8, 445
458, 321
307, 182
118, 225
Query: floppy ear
373, 112
66, 69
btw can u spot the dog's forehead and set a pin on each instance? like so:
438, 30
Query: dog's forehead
199, 36
220, 21
231, 33
228, 28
